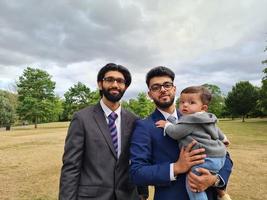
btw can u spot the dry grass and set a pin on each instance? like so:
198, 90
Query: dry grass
30, 160
249, 153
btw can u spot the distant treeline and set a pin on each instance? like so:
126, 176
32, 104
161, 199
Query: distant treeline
35, 101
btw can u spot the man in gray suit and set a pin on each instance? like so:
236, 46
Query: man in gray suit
96, 154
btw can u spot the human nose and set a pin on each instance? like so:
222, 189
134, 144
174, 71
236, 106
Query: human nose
115, 83
185, 104
162, 88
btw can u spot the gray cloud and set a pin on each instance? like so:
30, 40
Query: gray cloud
217, 42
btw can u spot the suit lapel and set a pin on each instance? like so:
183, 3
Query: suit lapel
103, 126
124, 131
157, 115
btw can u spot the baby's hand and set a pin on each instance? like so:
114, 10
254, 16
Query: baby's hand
226, 142
160, 123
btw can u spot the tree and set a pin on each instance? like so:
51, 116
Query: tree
217, 102
77, 97
35, 95
7, 112
242, 99
11, 96
263, 92
142, 106
265, 61
262, 103
94, 97
8, 105
56, 110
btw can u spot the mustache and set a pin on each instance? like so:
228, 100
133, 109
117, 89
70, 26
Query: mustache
114, 89
164, 95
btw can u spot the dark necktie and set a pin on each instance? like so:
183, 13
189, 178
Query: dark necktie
172, 119
113, 130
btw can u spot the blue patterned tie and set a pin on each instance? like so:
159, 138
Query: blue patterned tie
113, 130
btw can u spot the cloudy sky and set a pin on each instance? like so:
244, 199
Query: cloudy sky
202, 41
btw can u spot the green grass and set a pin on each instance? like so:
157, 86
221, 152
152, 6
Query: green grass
30, 160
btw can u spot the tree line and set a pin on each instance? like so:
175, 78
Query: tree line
35, 100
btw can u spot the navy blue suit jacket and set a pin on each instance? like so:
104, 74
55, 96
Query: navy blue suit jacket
151, 155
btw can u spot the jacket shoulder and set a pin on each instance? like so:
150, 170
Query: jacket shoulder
129, 114
146, 122
86, 110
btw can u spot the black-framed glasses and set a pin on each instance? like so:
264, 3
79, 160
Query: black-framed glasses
111, 80
157, 87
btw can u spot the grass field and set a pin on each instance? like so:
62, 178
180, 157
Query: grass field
30, 160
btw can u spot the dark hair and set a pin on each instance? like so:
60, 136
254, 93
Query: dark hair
114, 67
205, 94
159, 71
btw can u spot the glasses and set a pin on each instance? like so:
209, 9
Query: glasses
157, 87
111, 80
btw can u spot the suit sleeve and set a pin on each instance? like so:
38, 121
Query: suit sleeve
142, 170
226, 170
72, 161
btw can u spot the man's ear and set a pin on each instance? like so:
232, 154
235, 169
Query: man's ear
174, 87
99, 85
205, 108
149, 94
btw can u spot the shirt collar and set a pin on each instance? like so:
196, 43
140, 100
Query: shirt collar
166, 115
107, 110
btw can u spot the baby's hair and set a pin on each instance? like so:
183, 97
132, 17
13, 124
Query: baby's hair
205, 94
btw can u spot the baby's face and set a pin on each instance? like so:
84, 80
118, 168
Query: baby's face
190, 103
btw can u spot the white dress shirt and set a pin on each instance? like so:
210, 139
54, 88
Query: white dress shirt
166, 115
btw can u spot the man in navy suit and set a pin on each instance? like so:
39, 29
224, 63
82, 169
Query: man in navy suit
157, 160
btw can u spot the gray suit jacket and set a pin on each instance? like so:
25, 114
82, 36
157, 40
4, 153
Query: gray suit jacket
90, 168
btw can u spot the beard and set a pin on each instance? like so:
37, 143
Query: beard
112, 97
164, 105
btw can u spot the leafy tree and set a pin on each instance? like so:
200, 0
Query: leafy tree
7, 112
217, 102
263, 92
55, 110
94, 97
8, 105
265, 61
77, 97
242, 99
142, 106
12, 97
35, 95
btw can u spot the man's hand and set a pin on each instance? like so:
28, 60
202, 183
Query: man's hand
202, 182
188, 158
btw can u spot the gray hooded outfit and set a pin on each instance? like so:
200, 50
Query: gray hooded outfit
200, 126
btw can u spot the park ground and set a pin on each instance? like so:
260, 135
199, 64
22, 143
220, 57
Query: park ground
30, 160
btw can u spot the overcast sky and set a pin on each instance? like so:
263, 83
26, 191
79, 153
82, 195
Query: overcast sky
202, 41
